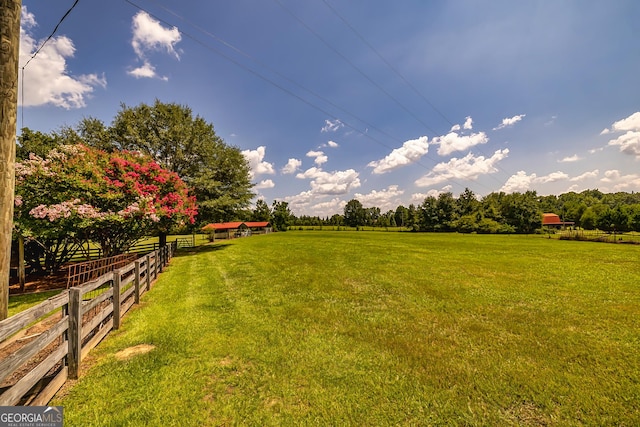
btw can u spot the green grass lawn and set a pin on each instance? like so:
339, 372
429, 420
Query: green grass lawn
353, 328
18, 303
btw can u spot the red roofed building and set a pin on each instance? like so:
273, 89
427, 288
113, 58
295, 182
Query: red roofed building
554, 221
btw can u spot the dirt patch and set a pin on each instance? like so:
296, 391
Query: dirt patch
130, 352
39, 283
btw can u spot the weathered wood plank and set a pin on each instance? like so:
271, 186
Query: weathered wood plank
93, 323
136, 282
95, 284
127, 305
13, 395
116, 299
90, 345
125, 281
17, 359
14, 323
88, 305
126, 294
51, 389
75, 331
127, 268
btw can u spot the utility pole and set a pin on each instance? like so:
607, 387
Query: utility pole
9, 51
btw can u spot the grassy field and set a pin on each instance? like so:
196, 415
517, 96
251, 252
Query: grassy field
353, 328
18, 303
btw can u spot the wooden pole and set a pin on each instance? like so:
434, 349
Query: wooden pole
9, 51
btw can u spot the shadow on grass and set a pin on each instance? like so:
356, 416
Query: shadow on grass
211, 247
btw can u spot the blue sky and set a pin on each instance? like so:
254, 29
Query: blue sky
386, 102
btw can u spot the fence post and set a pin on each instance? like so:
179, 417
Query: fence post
161, 254
157, 263
147, 276
116, 299
136, 283
75, 332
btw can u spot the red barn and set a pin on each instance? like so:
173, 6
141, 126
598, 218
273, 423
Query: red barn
553, 220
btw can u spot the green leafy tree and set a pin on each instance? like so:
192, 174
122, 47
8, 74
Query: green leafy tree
414, 218
467, 203
261, 212
218, 173
446, 205
401, 216
429, 214
281, 215
354, 214
77, 193
35, 142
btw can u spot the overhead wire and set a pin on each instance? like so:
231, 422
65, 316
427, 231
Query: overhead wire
277, 85
383, 59
355, 67
367, 77
403, 78
55, 29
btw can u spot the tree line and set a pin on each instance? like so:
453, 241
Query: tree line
496, 212
156, 169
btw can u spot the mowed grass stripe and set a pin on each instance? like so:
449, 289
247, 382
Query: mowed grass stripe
358, 328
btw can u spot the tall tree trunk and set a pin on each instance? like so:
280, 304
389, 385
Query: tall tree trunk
9, 47
162, 239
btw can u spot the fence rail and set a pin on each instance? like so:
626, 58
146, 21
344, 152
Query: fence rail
45, 344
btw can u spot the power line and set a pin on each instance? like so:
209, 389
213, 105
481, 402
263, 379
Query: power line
403, 78
383, 59
279, 86
355, 67
52, 33
36, 53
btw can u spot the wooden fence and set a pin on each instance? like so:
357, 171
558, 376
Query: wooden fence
43, 346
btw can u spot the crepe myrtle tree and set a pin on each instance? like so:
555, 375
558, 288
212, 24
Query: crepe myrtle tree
76, 194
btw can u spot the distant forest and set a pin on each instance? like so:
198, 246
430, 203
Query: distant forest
495, 213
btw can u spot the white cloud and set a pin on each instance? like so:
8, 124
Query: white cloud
267, 183
570, 159
629, 143
146, 70
306, 203
150, 36
384, 199
466, 168
332, 125
292, 166
621, 182
333, 144
553, 177
509, 121
257, 163
455, 128
336, 182
319, 157
418, 198
455, 142
47, 79
521, 182
410, 152
468, 123
630, 123
587, 175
